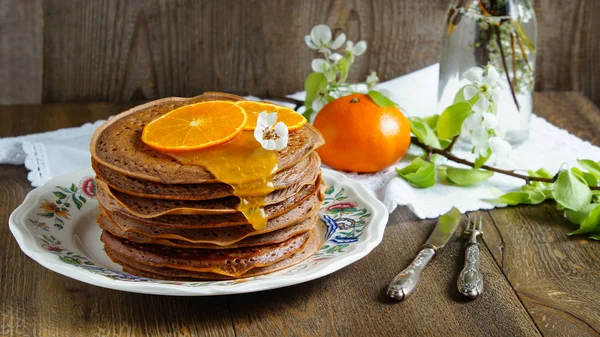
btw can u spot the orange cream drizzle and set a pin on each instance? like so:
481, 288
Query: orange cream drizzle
243, 164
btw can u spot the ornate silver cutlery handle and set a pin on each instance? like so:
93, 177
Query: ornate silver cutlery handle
405, 283
470, 280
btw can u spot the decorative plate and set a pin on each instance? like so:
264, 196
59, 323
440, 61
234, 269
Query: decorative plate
56, 226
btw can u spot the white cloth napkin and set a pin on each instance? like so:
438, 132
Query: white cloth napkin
50, 154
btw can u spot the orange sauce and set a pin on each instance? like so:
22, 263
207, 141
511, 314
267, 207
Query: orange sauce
243, 164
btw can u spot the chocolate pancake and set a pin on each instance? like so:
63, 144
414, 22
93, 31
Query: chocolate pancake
229, 262
151, 208
313, 244
117, 145
163, 222
294, 175
219, 241
213, 235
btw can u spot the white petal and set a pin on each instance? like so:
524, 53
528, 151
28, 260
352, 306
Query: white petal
500, 147
280, 144
474, 75
268, 144
349, 46
335, 57
479, 139
266, 120
492, 77
470, 123
317, 105
502, 85
496, 95
281, 130
469, 92
310, 43
481, 105
339, 41
258, 134
490, 121
321, 34
319, 65
360, 48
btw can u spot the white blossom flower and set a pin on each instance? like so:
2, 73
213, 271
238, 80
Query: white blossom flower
357, 49
319, 65
372, 79
500, 147
335, 57
489, 121
320, 39
472, 129
483, 81
271, 136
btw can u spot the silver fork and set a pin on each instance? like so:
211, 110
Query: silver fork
470, 280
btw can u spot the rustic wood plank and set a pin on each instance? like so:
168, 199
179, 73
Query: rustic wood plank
555, 276
568, 46
21, 51
350, 302
145, 50
122, 51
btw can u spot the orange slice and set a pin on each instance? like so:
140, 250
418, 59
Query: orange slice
289, 117
195, 126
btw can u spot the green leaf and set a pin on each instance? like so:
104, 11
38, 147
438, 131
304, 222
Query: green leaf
423, 132
536, 197
77, 202
314, 83
74, 188
47, 215
465, 177
59, 221
577, 217
570, 192
450, 121
432, 121
381, 100
595, 236
481, 160
60, 195
590, 224
307, 113
460, 96
514, 198
82, 199
590, 165
541, 173
586, 177
419, 172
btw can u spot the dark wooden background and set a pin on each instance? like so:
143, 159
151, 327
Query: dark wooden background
119, 50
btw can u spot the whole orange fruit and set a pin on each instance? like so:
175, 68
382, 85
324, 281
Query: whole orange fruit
361, 136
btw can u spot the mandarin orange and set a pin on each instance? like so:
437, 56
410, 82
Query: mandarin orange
361, 136
195, 126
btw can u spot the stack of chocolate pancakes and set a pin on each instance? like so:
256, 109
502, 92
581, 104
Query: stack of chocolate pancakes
167, 220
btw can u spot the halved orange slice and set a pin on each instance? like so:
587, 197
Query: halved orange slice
195, 126
289, 117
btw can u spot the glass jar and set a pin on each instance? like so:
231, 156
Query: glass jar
501, 33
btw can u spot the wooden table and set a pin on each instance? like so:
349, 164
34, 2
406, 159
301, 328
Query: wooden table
538, 280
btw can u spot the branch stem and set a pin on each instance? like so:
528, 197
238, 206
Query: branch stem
512, 89
456, 159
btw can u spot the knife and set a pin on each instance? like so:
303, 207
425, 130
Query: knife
404, 284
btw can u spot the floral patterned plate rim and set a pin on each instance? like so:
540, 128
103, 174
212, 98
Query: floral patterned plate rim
56, 226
